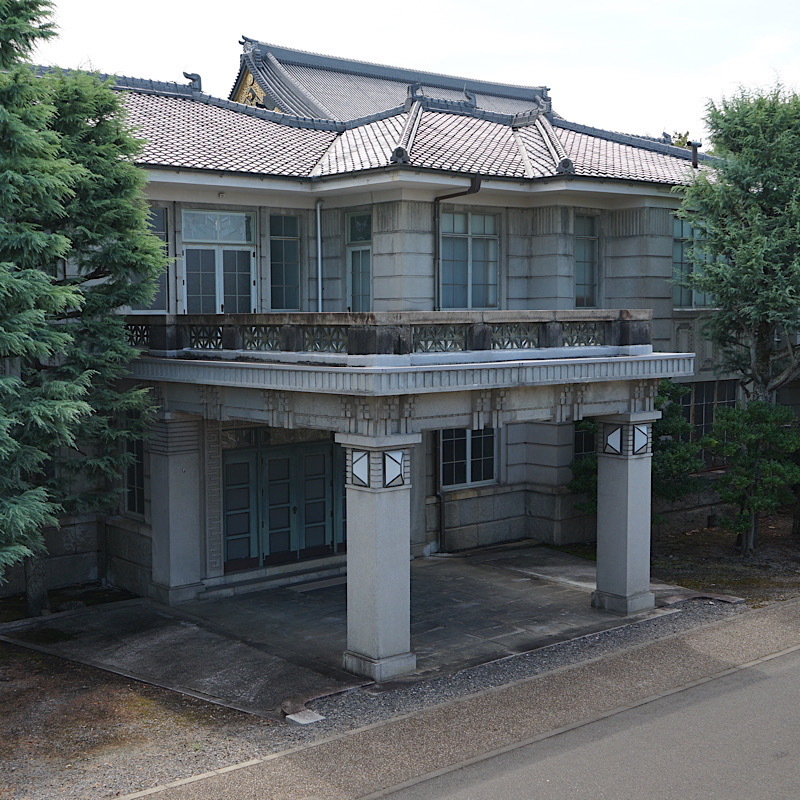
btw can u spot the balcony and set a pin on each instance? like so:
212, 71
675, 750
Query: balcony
419, 337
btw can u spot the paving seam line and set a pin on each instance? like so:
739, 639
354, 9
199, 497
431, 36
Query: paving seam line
336, 737
571, 727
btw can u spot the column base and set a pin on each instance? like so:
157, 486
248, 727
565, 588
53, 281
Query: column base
172, 595
620, 604
380, 669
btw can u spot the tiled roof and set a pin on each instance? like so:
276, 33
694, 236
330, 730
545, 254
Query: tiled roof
542, 163
185, 129
463, 144
597, 157
182, 132
364, 147
313, 84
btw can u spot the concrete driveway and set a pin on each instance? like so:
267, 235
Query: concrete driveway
271, 651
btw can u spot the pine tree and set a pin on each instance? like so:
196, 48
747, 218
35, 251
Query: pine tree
746, 211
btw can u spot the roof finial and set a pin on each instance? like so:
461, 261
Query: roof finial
194, 81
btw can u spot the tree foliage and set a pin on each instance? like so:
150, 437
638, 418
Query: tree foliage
74, 247
758, 443
676, 459
746, 209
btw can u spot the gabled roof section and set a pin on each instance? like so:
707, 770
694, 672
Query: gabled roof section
310, 84
184, 128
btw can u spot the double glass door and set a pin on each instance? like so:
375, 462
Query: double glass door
282, 504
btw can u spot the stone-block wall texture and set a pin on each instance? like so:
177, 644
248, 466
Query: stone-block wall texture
73, 556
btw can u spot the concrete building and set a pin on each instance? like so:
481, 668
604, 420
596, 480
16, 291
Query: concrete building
391, 296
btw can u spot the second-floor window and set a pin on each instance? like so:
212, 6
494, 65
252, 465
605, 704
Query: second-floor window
683, 237
284, 258
158, 227
219, 260
469, 261
359, 261
586, 262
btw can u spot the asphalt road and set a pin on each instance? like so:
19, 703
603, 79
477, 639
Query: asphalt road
737, 736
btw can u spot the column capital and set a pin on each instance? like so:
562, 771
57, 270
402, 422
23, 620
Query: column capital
625, 435
631, 417
362, 442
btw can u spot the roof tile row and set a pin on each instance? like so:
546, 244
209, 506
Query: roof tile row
189, 133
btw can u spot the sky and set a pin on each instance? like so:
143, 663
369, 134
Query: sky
624, 65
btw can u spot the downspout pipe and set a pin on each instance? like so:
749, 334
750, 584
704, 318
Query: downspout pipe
474, 188
319, 256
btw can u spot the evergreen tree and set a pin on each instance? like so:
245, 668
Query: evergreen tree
74, 248
112, 262
39, 410
676, 458
757, 443
746, 211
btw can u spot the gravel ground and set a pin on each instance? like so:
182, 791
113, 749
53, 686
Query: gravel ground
76, 733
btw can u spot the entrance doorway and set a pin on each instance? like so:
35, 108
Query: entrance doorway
283, 504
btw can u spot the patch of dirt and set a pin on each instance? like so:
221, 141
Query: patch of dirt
707, 560
72, 731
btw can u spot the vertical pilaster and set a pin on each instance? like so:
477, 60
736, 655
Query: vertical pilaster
624, 454
378, 485
176, 457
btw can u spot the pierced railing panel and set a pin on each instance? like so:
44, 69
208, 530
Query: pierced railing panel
516, 336
205, 337
582, 334
138, 335
325, 339
439, 338
261, 337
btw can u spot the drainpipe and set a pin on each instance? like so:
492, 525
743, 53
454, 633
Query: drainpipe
319, 256
474, 188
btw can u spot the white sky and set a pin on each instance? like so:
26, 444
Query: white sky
625, 65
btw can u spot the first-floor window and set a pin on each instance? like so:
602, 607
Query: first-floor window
700, 405
467, 456
134, 478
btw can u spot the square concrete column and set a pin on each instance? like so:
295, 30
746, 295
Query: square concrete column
624, 453
176, 509
378, 486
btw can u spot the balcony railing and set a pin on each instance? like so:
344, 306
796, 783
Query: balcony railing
397, 333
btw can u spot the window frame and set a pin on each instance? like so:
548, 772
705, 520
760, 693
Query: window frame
683, 235
595, 261
138, 486
219, 248
358, 246
468, 460
690, 406
470, 237
166, 275
283, 238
